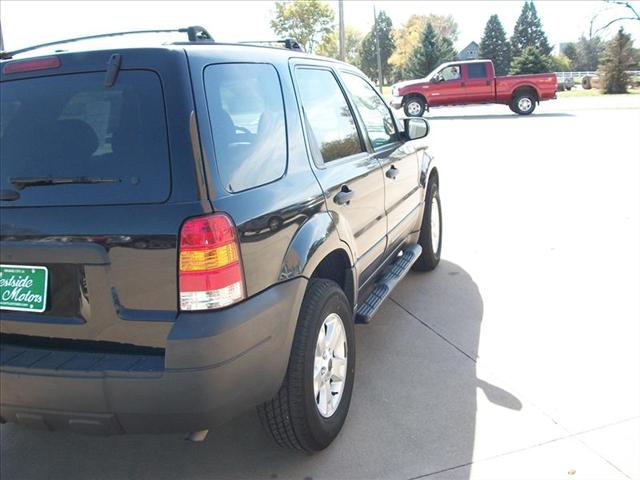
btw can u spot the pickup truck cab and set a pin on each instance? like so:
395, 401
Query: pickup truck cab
472, 82
190, 230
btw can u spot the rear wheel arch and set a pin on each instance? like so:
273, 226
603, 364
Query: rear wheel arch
336, 266
525, 89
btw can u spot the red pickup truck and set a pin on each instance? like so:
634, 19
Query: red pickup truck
472, 81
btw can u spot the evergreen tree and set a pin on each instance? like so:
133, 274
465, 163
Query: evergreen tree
528, 32
588, 53
430, 52
571, 52
368, 55
531, 61
494, 45
617, 59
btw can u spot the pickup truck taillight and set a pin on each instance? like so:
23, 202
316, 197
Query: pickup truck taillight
210, 269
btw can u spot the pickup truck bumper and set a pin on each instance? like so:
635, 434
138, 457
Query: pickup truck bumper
215, 365
396, 102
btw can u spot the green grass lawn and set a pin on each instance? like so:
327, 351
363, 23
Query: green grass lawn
594, 92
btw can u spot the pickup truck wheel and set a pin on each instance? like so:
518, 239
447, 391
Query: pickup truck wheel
414, 107
431, 230
312, 404
524, 103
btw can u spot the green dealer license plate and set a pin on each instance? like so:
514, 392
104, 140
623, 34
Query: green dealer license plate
23, 288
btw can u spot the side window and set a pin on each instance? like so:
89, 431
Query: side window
450, 73
333, 129
375, 115
246, 109
477, 70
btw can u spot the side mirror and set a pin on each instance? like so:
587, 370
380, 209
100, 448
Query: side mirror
416, 128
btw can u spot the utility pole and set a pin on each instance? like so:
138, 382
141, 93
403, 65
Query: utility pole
375, 30
341, 28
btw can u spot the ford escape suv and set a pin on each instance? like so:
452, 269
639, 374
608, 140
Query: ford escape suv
191, 230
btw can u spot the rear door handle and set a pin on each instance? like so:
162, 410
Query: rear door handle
488, 83
392, 172
462, 84
344, 196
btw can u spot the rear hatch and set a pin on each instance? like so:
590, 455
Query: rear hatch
89, 214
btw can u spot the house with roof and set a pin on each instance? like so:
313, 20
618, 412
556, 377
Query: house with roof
470, 52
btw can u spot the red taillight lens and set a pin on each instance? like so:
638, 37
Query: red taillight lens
210, 269
31, 65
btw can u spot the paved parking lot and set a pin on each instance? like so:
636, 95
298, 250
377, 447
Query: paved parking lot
518, 358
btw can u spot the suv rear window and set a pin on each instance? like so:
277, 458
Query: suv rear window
73, 128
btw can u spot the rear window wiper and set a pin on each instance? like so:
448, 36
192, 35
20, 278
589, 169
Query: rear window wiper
22, 182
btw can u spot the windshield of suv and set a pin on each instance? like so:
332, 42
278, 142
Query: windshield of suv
69, 140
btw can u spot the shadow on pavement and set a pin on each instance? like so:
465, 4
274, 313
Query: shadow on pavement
413, 410
499, 116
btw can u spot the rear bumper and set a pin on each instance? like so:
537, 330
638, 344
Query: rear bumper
215, 366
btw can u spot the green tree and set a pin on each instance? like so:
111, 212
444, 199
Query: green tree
571, 52
368, 56
617, 59
588, 53
428, 54
495, 46
352, 40
531, 61
408, 37
308, 21
560, 63
528, 32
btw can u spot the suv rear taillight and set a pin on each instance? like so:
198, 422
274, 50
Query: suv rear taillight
210, 269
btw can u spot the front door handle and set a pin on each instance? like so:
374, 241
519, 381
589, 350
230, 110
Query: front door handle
344, 196
392, 172
462, 84
488, 83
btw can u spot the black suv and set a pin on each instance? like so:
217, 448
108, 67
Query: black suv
189, 230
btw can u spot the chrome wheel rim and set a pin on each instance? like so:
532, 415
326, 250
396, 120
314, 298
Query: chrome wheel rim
524, 104
414, 108
435, 224
330, 365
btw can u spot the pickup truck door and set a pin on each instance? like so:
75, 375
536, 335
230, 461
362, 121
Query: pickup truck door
402, 193
351, 178
479, 82
448, 90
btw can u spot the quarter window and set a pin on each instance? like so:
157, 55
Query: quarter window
375, 114
332, 127
248, 123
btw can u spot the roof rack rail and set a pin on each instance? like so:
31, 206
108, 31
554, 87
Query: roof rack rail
288, 43
195, 34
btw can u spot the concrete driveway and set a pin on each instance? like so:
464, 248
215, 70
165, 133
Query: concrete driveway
518, 358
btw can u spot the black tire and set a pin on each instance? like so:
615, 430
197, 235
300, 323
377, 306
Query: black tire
414, 106
292, 417
512, 109
586, 82
516, 106
430, 256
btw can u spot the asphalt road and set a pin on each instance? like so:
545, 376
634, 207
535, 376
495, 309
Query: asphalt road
519, 357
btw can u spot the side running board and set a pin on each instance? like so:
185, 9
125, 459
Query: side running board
395, 272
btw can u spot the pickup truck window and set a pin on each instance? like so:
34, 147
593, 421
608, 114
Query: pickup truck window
450, 73
375, 114
246, 109
332, 125
477, 70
